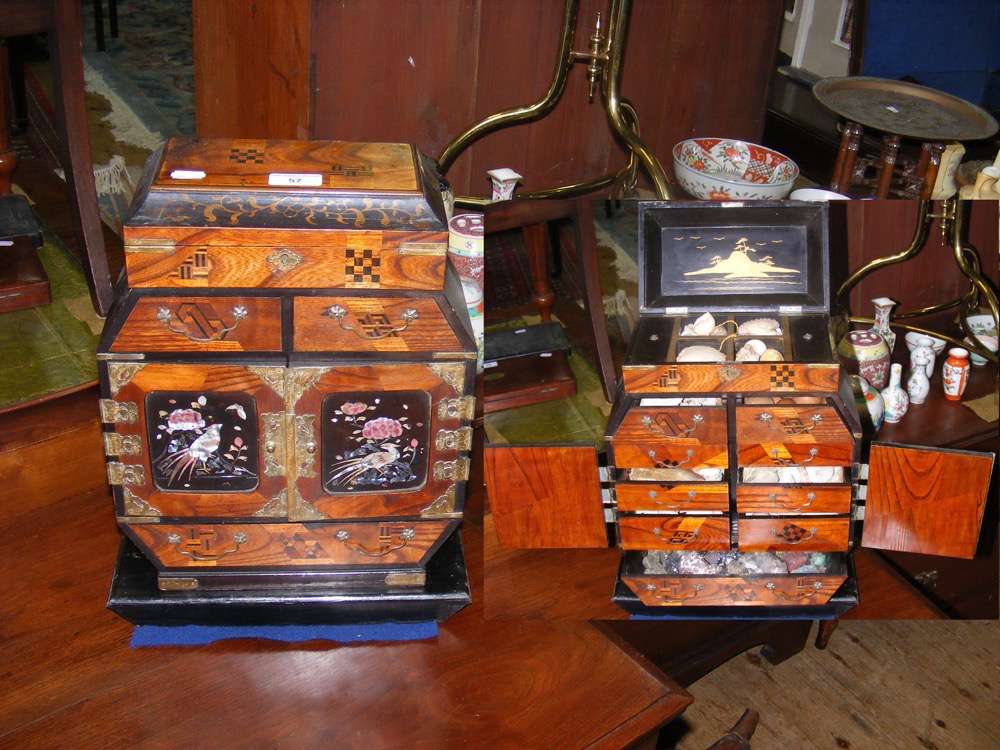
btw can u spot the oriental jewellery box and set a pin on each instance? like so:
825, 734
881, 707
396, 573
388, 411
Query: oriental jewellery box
737, 473
285, 381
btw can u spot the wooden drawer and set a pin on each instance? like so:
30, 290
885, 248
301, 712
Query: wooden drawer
792, 435
192, 258
674, 532
682, 498
372, 324
289, 545
731, 378
806, 534
676, 436
784, 499
204, 324
780, 591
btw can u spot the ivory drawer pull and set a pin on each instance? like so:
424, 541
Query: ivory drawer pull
375, 330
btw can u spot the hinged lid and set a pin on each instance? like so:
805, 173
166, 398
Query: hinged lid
278, 184
545, 495
752, 256
926, 500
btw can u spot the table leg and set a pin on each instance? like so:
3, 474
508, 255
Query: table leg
826, 628
843, 170
8, 159
536, 243
890, 149
934, 151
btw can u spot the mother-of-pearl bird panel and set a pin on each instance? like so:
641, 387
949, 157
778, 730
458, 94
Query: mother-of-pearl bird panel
375, 441
202, 441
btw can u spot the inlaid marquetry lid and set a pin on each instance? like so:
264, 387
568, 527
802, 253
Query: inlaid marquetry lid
285, 184
745, 255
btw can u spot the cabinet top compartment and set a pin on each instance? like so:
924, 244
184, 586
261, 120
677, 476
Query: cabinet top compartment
755, 256
280, 184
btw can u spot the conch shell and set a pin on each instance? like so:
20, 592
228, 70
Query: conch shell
759, 327
704, 325
700, 354
751, 351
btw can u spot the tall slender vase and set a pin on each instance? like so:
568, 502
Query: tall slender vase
895, 398
883, 311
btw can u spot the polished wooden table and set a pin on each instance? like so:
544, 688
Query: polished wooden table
71, 679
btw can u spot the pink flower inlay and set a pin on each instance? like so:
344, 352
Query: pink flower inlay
184, 419
382, 428
353, 407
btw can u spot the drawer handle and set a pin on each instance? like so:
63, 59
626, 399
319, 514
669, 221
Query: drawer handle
385, 544
655, 426
166, 317
669, 595
670, 464
691, 496
793, 427
283, 259
376, 329
677, 536
817, 586
792, 534
813, 452
198, 546
810, 497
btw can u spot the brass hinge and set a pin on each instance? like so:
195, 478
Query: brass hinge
454, 440
443, 507
454, 471
122, 474
176, 584
150, 245
274, 444
416, 578
121, 445
118, 412
463, 407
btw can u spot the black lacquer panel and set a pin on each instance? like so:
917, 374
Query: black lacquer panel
375, 441
202, 441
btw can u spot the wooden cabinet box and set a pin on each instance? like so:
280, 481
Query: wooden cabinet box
737, 483
287, 375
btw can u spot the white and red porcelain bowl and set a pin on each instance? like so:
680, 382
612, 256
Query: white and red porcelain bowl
724, 169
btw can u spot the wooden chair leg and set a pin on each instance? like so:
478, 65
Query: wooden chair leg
593, 299
826, 628
536, 244
66, 53
890, 149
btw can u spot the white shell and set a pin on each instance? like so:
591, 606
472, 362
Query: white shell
700, 354
771, 355
702, 326
751, 351
759, 327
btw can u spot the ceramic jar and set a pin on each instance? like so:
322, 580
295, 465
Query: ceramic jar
870, 400
955, 373
895, 398
883, 309
926, 357
918, 385
466, 245
504, 181
871, 352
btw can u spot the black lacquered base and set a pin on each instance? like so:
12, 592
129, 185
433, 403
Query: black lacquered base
135, 597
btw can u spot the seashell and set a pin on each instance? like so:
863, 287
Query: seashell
751, 351
704, 325
720, 330
771, 355
759, 327
700, 354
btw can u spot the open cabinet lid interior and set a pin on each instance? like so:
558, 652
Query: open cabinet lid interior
545, 496
926, 500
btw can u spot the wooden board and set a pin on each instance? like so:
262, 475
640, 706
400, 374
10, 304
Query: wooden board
779, 377
803, 534
545, 496
731, 591
925, 500
193, 319
778, 498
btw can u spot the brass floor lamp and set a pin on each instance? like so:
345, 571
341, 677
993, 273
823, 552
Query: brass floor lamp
604, 69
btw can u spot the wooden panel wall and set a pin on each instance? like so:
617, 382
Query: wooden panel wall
251, 68
422, 71
878, 228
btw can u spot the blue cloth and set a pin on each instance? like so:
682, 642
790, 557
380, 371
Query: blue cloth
199, 635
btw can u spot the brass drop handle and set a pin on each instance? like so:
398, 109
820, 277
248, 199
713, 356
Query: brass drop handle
669, 597
670, 465
175, 539
817, 586
784, 537
407, 534
652, 425
689, 537
166, 317
798, 429
810, 497
813, 452
691, 495
338, 313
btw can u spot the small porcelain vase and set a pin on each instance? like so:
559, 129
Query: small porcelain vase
883, 309
871, 352
895, 398
871, 400
926, 357
918, 385
504, 181
955, 373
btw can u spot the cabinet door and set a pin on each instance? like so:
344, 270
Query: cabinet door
545, 495
379, 440
925, 500
193, 440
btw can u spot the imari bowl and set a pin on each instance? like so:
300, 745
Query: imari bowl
723, 169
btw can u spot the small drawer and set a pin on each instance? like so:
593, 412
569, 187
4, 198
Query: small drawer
687, 437
804, 533
289, 545
781, 591
372, 324
784, 499
681, 498
674, 532
792, 436
203, 324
